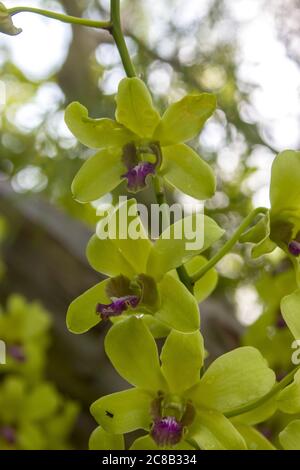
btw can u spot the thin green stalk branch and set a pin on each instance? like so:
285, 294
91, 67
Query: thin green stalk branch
185, 278
161, 200
61, 17
229, 244
117, 33
276, 389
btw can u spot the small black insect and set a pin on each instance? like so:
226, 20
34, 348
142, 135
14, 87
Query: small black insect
109, 414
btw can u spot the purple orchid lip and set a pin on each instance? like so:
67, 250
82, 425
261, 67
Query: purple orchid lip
8, 434
16, 351
117, 307
166, 431
294, 248
137, 175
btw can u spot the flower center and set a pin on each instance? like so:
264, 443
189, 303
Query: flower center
171, 415
136, 176
294, 248
117, 307
166, 431
141, 162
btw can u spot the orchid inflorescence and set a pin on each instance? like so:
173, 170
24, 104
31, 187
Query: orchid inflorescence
152, 289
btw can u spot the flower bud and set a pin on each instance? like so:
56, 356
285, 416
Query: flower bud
294, 248
6, 23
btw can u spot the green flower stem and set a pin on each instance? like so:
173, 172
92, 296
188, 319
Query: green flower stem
161, 200
276, 389
61, 17
185, 278
230, 243
113, 26
116, 31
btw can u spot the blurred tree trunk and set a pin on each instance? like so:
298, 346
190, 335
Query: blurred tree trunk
45, 260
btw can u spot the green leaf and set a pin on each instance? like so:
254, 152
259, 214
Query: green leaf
290, 437
288, 400
253, 438
184, 119
81, 315
179, 350
133, 353
233, 380
285, 187
123, 412
204, 287
290, 307
102, 440
95, 133
178, 308
135, 109
181, 241
212, 431
99, 175
123, 227
183, 168
6, 23
105, 257
147, 443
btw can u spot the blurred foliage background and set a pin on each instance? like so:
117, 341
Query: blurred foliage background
244, 51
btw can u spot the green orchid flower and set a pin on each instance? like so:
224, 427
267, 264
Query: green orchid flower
141, 281
290, 437
290, 306
6, 23
24, 328
34, 417
288, 399
178, 408
281, 225
282, 327
140, 144
269, 333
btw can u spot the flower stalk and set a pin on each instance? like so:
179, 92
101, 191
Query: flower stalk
61, 17
229, 244
116, 31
